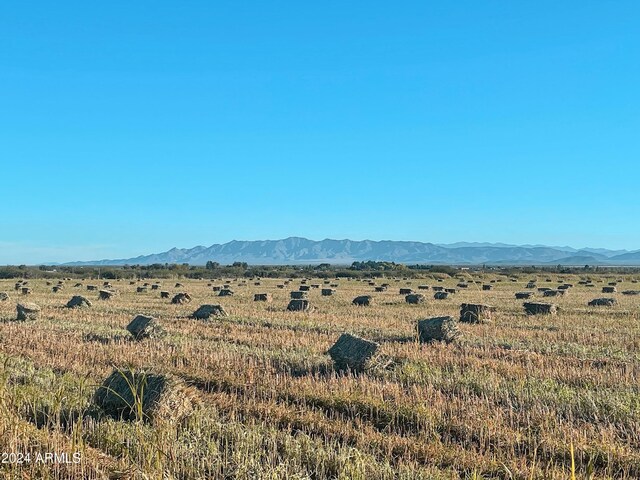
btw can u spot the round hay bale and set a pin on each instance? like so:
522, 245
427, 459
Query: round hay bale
423, 287
304, 288
4, 296
181, 298
141, 395
476, 313
451, 290
141, 289
540, 308
406, 291
441, 295
143, 326
262, 297
91, 287
164, 294
363, 300
441, 329
298, 295
27, 311
603, 302
437, 288
380, 289
225, 292
155, 286
298, 305
26, 291
205, 312
327, 292
610, 289
78, 301
487, 287
415, 298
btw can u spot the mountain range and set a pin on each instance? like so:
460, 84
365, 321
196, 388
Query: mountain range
298, 251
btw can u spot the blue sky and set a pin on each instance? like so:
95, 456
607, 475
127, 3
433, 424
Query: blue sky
132, 127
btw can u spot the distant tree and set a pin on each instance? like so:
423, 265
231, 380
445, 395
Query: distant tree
212, 265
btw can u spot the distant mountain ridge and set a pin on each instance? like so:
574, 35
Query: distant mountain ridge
297, 251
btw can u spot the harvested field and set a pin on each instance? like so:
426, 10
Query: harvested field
507, 399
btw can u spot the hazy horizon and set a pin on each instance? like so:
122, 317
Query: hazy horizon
87, 253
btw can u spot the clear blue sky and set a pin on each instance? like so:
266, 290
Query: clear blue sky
132, 127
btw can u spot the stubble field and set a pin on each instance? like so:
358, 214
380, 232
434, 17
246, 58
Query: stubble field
511, 398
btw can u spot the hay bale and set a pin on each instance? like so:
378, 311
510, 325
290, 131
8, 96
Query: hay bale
178, 285
216, 288
450, 290
27, 311
551, 293
363, 300
78, 301
280, 286
204, 312
462, 285
91, 287
262, 297
523, 295
105, 294
141, 289
57, 288
380, 289
437, 288
298, 295
4, 296
631, 292
530, 285
540, 308
441, 329
298, 305
327, 292
487, 286
609, 289
225, 292
155, 287
423, 287
405, 291
26, 291
476, 313
441, 295
142, 327
602, 302
304, 288
353, 353
161, 397
181, 298
415, 298
164, 294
